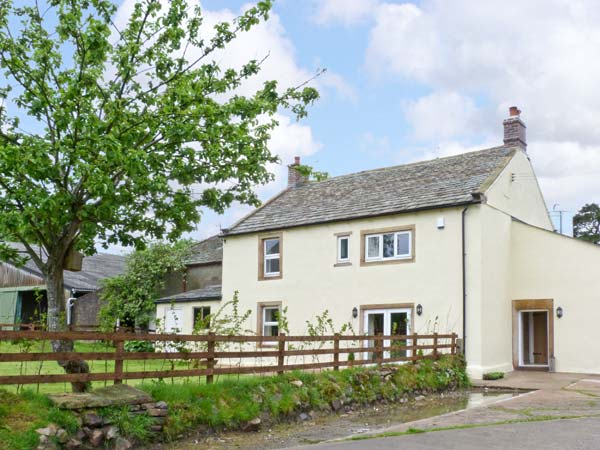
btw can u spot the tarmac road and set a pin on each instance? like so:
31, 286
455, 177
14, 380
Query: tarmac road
565, 434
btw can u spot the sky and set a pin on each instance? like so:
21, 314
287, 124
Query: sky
409, 81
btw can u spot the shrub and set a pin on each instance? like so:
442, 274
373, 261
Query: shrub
493, 375
139, 346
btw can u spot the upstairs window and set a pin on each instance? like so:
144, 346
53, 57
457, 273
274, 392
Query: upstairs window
343, 249
388, 246
270, 258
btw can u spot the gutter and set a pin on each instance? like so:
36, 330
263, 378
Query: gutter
476, 198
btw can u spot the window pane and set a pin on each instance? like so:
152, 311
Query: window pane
200, 316
272, 265
271, 314
270, 330
403, 242
271, 246
373, 247
344, 248
388, 245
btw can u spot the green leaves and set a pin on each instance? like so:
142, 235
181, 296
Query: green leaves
586, 223
131, 135
130, 297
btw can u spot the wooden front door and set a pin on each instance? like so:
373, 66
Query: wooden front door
540, 337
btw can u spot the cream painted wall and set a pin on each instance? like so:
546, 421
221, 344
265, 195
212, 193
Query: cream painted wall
186, 324
548, 265
519, 196
487, 277
311, 284
496, 322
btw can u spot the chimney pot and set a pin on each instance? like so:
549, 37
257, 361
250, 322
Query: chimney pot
514, 129
295, 178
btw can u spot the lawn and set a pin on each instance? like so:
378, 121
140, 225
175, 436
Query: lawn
51, 367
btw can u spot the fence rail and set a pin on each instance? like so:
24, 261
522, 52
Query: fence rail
209, 359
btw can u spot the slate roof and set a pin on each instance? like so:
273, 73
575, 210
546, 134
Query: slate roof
205, 293
207, 251
436, 183
94, 268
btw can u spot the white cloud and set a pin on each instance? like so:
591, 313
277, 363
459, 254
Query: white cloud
289, 138
442, 115
345, 12
540, 55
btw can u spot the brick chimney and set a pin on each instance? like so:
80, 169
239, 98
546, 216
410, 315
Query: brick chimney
295, 178
514, 129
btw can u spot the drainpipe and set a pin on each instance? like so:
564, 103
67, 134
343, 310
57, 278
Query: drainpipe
70, 302
464, 282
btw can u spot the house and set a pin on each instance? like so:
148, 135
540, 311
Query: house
23, 291
192, 295
462, 243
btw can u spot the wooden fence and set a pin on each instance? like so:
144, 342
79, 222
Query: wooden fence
215, 350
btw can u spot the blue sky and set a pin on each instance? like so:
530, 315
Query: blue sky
417, 80
408, 81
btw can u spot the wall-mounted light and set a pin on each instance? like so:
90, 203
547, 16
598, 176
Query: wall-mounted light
355, 312
559, 312
419, 309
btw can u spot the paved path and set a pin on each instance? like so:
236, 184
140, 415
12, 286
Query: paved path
571, 397
571, 434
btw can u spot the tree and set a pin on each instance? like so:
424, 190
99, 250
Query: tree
586, 223
126, 135
130, 297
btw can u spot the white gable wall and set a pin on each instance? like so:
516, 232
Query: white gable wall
517, 193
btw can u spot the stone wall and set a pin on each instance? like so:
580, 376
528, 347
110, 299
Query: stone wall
95, 429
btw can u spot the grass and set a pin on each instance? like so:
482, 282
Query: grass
232, 401
229, 404
52, 367
21, 415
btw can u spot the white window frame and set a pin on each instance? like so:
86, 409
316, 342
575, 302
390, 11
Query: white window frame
272, 256
396, 256
387, 328
266, 323
339, 248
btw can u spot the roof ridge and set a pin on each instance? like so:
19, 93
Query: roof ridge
442, 181
414, 163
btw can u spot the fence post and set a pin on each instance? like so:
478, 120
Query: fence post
281, 355
435, 346
415, 339
336, 351
379, 346
119, 350
210, 359
453, 347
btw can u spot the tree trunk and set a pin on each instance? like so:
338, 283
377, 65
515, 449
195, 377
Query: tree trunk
57, 322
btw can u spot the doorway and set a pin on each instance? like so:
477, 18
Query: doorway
533, 337
533, 334
387, 322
